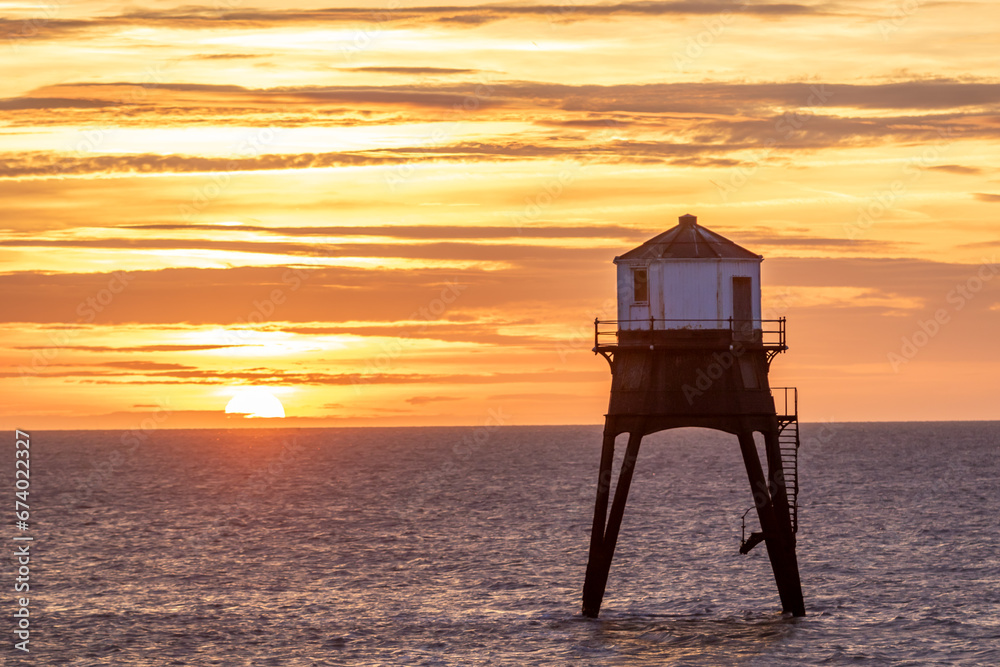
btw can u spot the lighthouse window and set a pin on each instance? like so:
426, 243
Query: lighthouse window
640, 279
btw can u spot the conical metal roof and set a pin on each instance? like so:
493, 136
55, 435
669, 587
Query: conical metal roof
689, 240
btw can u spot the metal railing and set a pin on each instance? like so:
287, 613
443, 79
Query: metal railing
772, 332
786, 400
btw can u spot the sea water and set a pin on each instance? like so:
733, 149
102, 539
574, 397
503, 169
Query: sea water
467, 546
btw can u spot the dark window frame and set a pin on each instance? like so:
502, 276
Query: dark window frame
743, 327
640, 288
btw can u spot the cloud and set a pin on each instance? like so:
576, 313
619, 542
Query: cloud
731, 138
435, 97
132, 348
706, 122
134, 419
425, 232
987, 197
958, 169
480, 334
228, 296
811, 131
388, 303
55, 165
411, 70
278, 377
40, 27
194, 17
208, 17
818, 242
34, 103
909, 278
227, 56
422, 400
58, 165
739, 98
146, 366
702, 99
511, 252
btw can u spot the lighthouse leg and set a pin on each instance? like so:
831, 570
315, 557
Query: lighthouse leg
604, 539
777, 533
591, 595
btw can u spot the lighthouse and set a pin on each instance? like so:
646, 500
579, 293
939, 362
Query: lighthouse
690, 349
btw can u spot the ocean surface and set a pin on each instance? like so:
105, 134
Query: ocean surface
467, 546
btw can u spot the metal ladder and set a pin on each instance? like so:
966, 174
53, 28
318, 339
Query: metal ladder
788, 444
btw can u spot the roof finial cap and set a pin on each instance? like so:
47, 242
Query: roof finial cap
688, 220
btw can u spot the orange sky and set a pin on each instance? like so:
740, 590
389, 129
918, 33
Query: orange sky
393, 214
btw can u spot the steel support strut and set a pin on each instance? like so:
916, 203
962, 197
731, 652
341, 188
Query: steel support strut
771, 502
604, 538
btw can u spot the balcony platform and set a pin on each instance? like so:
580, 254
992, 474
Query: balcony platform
611, 336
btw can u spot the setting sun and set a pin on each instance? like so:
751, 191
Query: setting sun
255, 402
